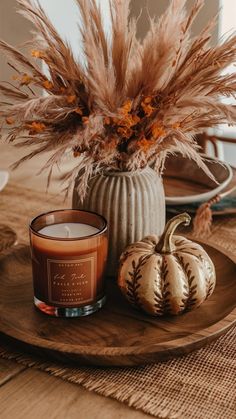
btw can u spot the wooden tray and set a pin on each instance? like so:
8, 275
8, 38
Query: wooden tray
117, 335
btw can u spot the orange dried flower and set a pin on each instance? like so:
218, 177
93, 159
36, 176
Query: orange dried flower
71, 99
10, 121
85, 120
145, 144
111, 144
125, 132
107, 120
158, 130
76, 153
176, 125
36, 127
47, 84
126, 108
37, 54
147, 108
135, 119
147, 100
78, 111
25, 80
127, 121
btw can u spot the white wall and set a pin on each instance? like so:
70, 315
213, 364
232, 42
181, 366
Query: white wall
65, 15
227, 25
13, 29
156, 7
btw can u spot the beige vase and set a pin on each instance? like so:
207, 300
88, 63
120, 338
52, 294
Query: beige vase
132, 203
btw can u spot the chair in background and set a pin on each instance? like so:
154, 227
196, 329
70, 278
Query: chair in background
216, 142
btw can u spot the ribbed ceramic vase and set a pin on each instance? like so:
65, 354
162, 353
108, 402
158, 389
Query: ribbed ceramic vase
132, 203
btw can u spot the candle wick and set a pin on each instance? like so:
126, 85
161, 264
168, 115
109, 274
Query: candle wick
67, 231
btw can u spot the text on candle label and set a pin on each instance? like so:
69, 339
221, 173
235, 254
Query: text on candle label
72, 282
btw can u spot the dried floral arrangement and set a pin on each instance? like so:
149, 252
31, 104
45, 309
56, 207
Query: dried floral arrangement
131, 103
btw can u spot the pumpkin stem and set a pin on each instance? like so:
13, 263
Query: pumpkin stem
165, 244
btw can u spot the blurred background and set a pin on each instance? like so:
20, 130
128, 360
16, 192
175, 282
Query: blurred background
64, 14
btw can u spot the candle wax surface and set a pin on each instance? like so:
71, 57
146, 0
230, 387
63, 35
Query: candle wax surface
69, 230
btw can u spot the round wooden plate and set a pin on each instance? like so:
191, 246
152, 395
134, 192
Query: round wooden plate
117, 335
225, 206
185, 183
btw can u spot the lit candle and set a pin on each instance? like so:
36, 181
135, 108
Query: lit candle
69, 252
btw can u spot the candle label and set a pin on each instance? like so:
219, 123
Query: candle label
72, 282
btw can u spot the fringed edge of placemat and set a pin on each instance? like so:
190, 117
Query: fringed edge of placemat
106, 381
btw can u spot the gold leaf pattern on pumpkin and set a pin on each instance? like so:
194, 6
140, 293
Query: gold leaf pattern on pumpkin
178, 276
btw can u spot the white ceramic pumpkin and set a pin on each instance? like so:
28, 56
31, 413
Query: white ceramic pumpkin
166, 275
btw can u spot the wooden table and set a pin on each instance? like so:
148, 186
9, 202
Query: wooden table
27, 393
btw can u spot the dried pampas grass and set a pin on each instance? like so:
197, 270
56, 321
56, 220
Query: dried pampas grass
132, 103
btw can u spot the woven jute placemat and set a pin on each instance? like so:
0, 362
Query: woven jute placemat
201, 385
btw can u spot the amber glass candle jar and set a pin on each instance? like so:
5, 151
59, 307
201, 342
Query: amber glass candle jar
69, 254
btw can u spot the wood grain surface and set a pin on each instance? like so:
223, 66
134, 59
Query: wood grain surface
38, 395
117, 334
8, 237
9, 370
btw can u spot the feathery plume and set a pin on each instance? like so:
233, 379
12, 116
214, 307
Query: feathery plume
131, 103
